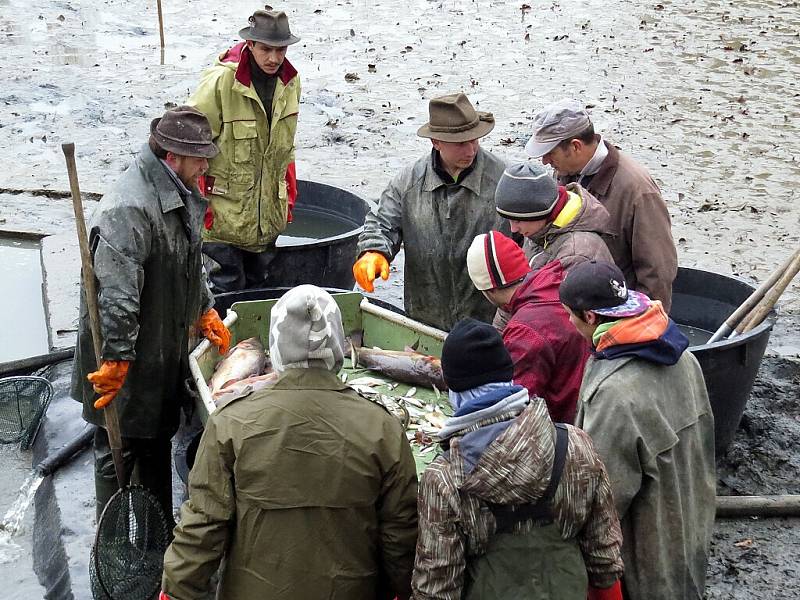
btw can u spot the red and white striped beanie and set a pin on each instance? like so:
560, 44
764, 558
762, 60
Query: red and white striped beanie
495, 261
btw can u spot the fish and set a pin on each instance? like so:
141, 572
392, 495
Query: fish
245, 359
244, 386
408, 367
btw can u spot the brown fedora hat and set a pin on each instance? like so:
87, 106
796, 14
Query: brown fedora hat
453, 119
185, 131
269, 27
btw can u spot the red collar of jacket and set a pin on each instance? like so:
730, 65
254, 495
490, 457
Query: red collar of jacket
241, 53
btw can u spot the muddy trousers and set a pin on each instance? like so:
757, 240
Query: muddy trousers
148, 460
231, 269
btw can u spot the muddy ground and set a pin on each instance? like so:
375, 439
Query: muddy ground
704, 92
758, 558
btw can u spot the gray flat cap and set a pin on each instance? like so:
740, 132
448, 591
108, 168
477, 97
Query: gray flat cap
525, 192
555, 123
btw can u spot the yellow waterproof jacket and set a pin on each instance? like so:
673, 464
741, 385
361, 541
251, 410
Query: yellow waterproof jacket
246, 183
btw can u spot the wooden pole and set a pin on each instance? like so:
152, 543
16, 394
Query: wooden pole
90, 293
759, 313
741, 313
161, 28
758, 506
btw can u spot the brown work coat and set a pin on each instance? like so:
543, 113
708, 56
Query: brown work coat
577, 241
641, 244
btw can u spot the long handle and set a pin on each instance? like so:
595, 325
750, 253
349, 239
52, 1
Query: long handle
90, 291
161, 29
740, 313
760, 312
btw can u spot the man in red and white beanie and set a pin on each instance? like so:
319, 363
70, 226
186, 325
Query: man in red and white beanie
548, 355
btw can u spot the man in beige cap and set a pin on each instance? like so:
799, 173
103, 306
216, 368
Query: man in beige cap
251, 97
641, 242
435, 208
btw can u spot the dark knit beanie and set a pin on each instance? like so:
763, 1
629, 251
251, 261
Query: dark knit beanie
473, 355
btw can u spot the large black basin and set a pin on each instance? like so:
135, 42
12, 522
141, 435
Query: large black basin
703, 300
325, 261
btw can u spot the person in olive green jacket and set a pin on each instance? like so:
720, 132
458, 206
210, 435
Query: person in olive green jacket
306, 489
251, 96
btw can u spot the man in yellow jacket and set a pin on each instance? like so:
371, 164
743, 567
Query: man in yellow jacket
251, 97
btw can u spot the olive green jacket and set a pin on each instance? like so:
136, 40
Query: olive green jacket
307, 490
151, 289
436, 224
653, 427
249, 197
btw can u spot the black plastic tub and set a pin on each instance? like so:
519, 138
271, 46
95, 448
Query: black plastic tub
703, 300
326, 261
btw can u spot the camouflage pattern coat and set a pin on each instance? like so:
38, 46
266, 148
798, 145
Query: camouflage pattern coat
455, 524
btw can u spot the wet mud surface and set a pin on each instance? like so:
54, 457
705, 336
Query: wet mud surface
764, 457
760, 558
705, 93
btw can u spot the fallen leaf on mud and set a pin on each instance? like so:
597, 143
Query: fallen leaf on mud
745, 543
351, 77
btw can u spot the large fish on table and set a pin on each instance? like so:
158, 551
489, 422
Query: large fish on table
403, 366
245, 359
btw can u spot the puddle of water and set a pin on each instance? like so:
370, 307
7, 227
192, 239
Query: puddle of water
311, 226
22, 315
697, 336
10, 525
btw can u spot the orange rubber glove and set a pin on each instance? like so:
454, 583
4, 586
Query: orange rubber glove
369, 266
108, 380
214, 329
611, 593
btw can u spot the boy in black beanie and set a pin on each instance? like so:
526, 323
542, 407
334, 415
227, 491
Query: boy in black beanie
513, 496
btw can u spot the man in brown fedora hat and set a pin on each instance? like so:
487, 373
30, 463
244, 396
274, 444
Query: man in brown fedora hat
145, 238
435, 208
251, 97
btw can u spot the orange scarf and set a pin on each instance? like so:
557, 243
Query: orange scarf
648, 326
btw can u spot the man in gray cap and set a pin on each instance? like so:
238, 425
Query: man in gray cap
641, 241
151, 291
435, 208
251, 96
306, 489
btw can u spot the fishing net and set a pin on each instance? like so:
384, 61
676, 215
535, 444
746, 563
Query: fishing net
23, 402
128, 554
